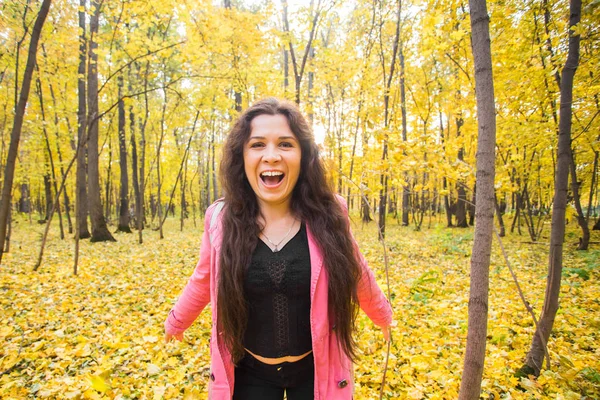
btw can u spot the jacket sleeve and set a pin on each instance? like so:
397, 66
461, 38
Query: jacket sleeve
196, 294
370, 296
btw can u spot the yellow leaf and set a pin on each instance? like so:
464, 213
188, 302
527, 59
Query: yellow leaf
6, 331
7, 363
83, 351
98, 383
36, 346
159, 392
90, 394
152, 369
172, 361
73, 394
191, 394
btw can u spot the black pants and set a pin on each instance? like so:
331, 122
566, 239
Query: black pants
255, 380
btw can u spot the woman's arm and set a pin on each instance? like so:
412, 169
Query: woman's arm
370, 297
196, 294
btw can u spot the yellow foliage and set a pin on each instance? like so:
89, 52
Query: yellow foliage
98, 383
98, 335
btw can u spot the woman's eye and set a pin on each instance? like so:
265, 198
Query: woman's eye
256, 145
286, 144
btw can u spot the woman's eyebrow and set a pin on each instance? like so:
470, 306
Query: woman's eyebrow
279, 138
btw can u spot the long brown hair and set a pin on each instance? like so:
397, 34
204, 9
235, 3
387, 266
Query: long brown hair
313, 202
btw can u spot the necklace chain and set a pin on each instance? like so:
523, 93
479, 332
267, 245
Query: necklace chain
276, 245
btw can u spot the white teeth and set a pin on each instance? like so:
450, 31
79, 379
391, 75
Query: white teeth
271, 173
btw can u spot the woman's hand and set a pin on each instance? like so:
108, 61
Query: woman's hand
387, 331
169, 338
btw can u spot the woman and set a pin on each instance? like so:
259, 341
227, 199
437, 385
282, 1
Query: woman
281, 268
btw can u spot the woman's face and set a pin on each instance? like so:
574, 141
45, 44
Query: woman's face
272, 158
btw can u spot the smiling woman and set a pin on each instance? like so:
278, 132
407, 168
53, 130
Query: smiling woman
280, 267
272, 158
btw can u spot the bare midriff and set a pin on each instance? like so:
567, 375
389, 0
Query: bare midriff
278, 360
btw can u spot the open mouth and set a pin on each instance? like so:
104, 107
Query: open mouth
271, 178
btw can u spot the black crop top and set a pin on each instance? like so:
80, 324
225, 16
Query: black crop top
277, 289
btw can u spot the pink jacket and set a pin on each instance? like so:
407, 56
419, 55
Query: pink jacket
333, 370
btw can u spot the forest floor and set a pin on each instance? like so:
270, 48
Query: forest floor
100, 334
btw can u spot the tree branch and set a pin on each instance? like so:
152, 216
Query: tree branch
134, 60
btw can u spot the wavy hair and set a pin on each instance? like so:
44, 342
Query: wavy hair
313, 201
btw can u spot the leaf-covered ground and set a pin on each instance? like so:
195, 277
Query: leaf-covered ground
99, 334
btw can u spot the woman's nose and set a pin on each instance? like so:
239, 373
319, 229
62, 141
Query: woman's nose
271, 154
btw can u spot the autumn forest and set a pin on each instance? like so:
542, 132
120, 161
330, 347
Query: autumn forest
467, 149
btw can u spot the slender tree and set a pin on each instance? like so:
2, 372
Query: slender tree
81, 199
50, 158
300, 65
124, 190
15, 136
134, 161
386, 119
100, 230
405, 188
67, 201
535, 356
470, 387
584, 241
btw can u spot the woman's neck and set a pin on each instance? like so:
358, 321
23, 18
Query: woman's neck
272, 213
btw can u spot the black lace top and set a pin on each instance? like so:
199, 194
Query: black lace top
277, 288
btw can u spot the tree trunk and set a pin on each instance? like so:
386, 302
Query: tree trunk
183, 209
237, 93
24, 200
471, 207
214, 165
461, 207
354, 143
60, 160
179, 174
383, 180
107, 185
299, 66
447, 207
184, 205
499, 215
100, 232
207, 199
592, 190
124, 192
8, 233
461, 204
47, 190
81, 198
470, 387
50, 159
134, 159
516, 222
47, 229
140, 210
535, 356
585, 230
286, 71
15, 136
158, 177
405, 188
